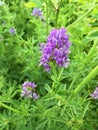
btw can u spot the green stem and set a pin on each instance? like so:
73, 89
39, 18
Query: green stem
92, 7
57, 13
60, 74
47, 17
9, 108
86, 60
71, 85
57, 76
91, 51
54, 73
91, 75
85, 110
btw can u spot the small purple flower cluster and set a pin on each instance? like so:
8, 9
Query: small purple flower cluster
56, 49
95, 94
28, 90
12, 30
37, 13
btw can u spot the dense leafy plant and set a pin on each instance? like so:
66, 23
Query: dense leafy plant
49, 65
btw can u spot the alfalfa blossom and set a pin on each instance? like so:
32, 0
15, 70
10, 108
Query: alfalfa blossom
37, 13
35, 96
94, 95
12, 30
56, 49
28, 90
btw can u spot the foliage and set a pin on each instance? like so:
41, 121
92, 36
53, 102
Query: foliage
64, 101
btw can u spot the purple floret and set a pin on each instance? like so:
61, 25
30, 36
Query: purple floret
29, 84
95, 94
28, 90
12, 30
37, 13
35, 96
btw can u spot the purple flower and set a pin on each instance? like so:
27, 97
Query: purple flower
29, 84
12, 30
56, 49
37, 13
35, 96
28, 90
95, 94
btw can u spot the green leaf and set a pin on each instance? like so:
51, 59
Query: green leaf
41, 125
30, 4
53, 78
62, 89
93, 34
38, 2
47, 87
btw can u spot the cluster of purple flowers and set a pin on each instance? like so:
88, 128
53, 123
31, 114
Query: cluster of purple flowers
95, 94
37, 13
28, 90
56, 49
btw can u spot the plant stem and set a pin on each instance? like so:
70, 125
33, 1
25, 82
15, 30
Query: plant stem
91, 75
86, 60
9, 108
47, 17
57, 13
60, 74
57, 76
91, 52
92, 7
85, 110
73, 81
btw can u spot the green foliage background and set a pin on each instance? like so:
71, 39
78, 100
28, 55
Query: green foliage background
56, 108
